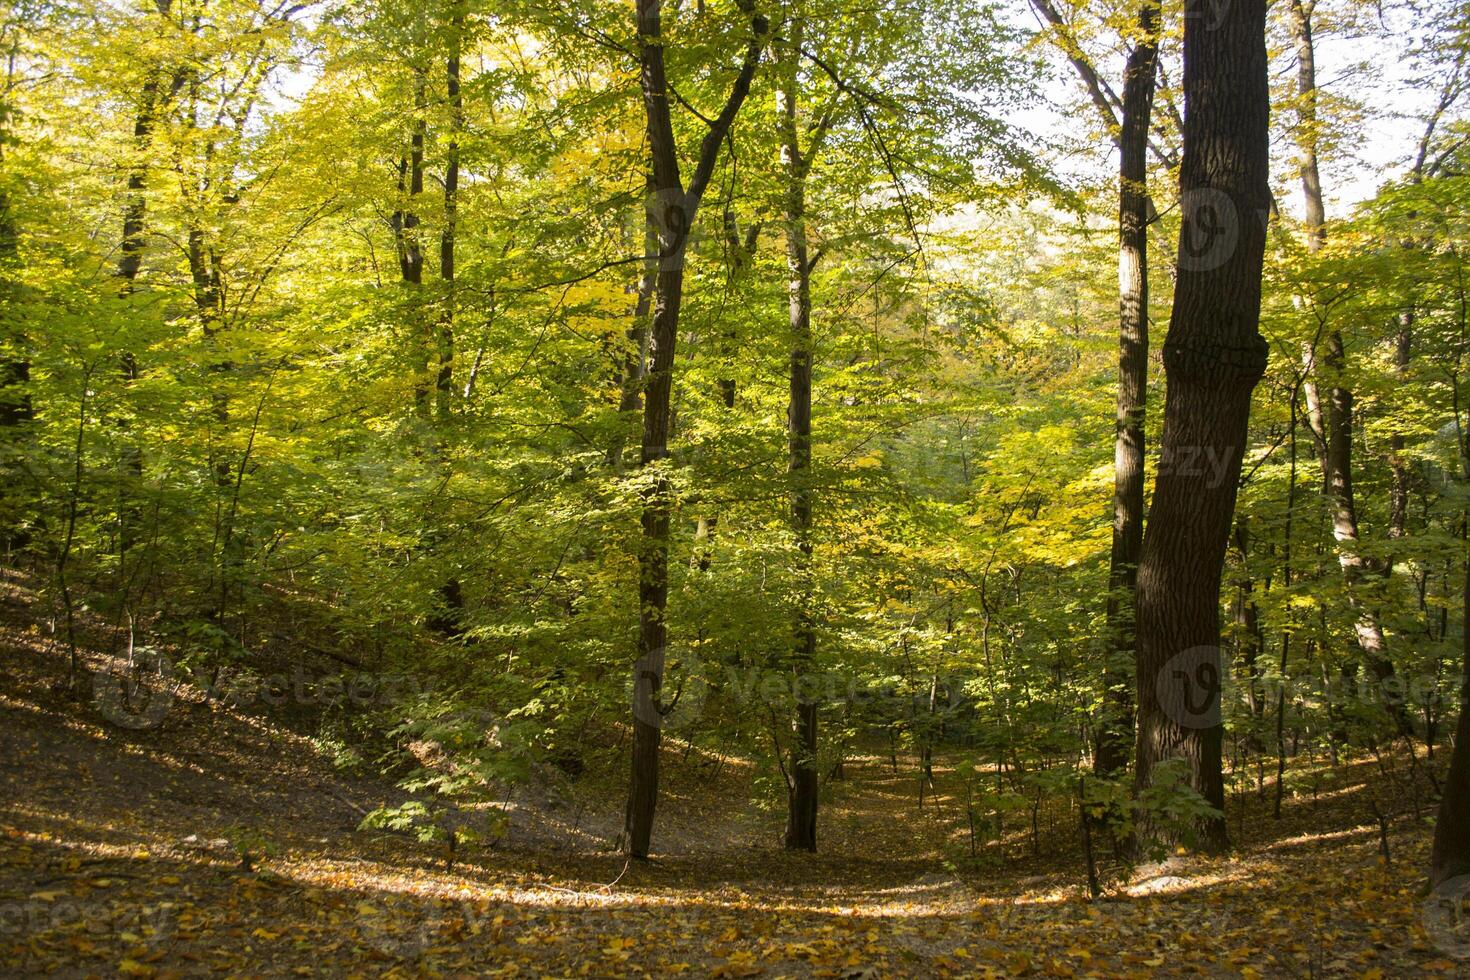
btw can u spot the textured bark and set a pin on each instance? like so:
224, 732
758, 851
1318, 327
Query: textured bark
739, 251
1306, 84
405, 222
447, 619
151, 101
1249, 639
677, 207
1213, 358
1398, 500
1450, 856
15, 370
801, 772
135, 207
444, 384
1115, 731
632, 364
1332, 424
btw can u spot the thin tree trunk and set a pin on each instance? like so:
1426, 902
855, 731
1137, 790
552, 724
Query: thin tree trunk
633, 364
15, 370
1115, 730
1213, 358
448, 619
1398, 500
1247, 614
129, 264
739, 250
1450, 857
676, 208
1334, 433
405, 222
1286, 632
802, 776
444, 385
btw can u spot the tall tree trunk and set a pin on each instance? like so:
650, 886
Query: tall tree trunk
739, 251
1249, 638
1115, 732
444, 385
1398, 500
448, 618
1450, 857
632, 364
1213, 358
405, 222
1315, 210
15, 368
801, 773
129, 264
675, 211
1334, 432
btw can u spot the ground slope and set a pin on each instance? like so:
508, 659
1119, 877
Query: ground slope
119, 854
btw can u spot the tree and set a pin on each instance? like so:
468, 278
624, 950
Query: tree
801, 772
1213, 358
1450, 856
676, 207
1331, 425
1116, 728
1128, 122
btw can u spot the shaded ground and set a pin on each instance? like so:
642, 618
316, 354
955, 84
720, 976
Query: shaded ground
119, 854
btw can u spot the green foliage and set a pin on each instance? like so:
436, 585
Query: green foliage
281, 480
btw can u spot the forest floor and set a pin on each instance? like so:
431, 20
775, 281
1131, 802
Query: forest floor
119, 855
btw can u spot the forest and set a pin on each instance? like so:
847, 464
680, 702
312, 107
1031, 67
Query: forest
793, 488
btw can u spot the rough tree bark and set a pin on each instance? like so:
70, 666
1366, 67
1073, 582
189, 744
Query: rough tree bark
632, 364
1450, 857
1213, 358
676, 209
1332, 425
130, 263
444, 385
801, 771
15, 369
405, 223
1115, 730
448, 619
1249, 638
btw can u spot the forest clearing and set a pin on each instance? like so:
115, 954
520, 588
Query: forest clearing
735, 488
